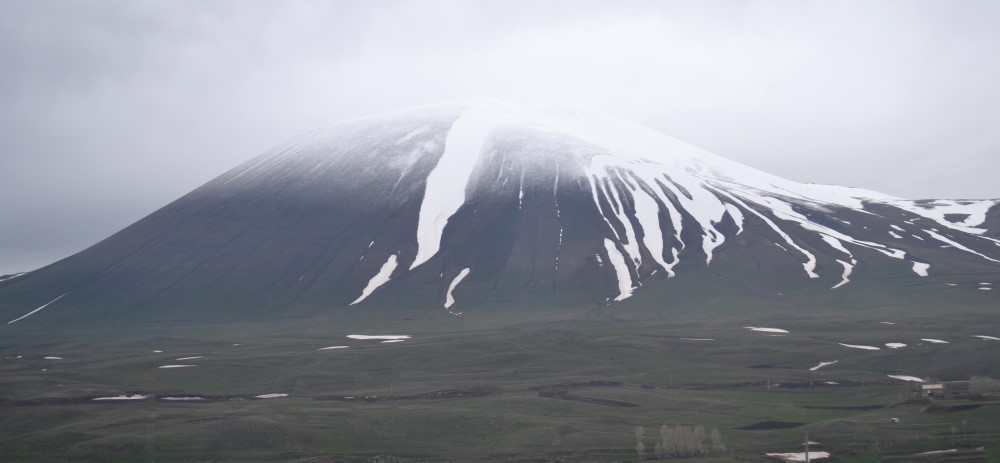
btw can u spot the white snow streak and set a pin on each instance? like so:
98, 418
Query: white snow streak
848, 267
380, 278
333, 347
859, 346
796, 457
986, 338
378, 336
822, 364
913, 379
621, 270
934, 341
445, 190
895, 345
123, 397
920, 268
176, 366
766, 330
449, 300
944, 239
36, 310
271, 396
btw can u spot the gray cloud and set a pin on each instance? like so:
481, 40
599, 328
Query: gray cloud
114, 108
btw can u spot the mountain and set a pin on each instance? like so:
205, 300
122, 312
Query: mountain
476, 206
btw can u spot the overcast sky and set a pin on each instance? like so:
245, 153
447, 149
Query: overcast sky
112, 109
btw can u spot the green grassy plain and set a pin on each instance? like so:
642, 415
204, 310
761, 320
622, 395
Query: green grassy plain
519, 386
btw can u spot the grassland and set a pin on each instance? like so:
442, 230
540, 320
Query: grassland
515, 388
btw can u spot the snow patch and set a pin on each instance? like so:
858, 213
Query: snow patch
36, 310
859, 346
795, 457
912, 379
944, 239
182, 398
380, 278
920, 268
895, 345
449, 299
123, 397
844, 278
270, 396
176, 366
822, 364
333, 347
378, 336
53, 358
986, 338
444, 193
934, 341
190, 358
621, 270
767, 330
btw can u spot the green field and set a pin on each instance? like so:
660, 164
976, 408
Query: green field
548, 387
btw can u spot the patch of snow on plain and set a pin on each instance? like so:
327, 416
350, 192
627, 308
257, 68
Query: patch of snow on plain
920, 268
895, 345
36, 310
53, 358
332, 347
190, 358
952, 284
795, 457
912, 379
697, 339
859, 346
621, 270
896, 227
270, 396
157, 351
380, 278
830, 382
934, 341
378, 336
888, 323
449, 299
822, 364
767, 330
123, 397
176, 366
983, 288
934, 452
895, 235
985, 338
181, 398
392, 340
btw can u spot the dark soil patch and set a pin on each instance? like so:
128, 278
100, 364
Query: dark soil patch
764, 425
433, 395
578, 385
564, 395
858, 407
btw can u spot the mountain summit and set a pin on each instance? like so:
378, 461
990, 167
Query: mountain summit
486, 205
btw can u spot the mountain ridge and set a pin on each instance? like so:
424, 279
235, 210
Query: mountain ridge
459, 204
